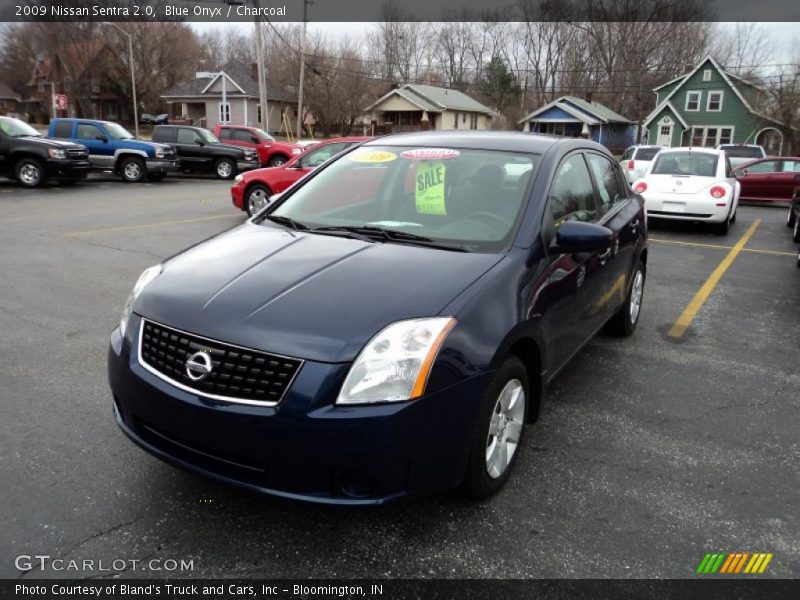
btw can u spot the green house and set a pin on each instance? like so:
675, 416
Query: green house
710, 106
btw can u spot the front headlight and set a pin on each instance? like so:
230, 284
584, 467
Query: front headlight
160, 153
57, 153
296, 151
146, 277
238, 179
395, 364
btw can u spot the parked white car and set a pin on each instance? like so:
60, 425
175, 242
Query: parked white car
636, 159
739, 154
691, 184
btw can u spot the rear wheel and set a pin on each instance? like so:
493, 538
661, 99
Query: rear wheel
256, 198
224, 168
723, 228
29, 172
796, 231
498, 430
132, 169
277, 160
624, 322
792, 216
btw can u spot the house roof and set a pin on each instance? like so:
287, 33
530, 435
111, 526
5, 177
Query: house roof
591, 113
75, 58
242, 82
660, 108
7, 93
434, 99
725, 76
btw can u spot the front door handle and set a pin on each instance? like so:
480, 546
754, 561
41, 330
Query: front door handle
604, 256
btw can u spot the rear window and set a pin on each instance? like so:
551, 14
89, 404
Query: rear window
63, 129
743, 151
647, 153
701, 164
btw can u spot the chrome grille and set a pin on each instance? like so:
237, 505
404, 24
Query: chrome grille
237, 374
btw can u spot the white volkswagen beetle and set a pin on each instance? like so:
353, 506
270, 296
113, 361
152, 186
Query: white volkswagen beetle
691, 184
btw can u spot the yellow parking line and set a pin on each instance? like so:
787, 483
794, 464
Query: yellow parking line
688, 315
721, 247
146, 225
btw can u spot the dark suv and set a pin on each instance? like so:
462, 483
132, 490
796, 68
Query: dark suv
30, 158
201, 152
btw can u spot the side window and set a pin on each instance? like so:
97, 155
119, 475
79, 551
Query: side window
768, 166
571, 194
316, 157
187, 136
225, 134
63, 129
242, 135
607, 181
89, 132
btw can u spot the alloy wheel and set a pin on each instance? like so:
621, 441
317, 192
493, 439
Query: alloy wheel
637, 291
505, 428
256, 200
29, 174
132, 171
224, 169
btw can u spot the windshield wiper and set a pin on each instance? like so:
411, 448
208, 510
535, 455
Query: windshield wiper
286, 222
393, 235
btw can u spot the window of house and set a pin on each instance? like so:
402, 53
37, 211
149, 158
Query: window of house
666, 130
455, 120
707, 75
714, 103
463, 117
572, 195
258, 113
2, 103
224, 112
473, 121
693, 101
725, 135
711, 137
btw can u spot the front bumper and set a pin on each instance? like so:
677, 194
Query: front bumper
73, 169
237, 195
305, 447
159, 165
687, 208
246, 165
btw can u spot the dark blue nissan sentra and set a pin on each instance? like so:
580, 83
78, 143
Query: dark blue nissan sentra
386, 326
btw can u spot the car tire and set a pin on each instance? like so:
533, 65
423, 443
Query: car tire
132, 169
796, 231
623, 324
489, 465
733, 218
723, 228
277, 160
155, 177
29, 172
224, 168
792, 216
253, 196
798, 259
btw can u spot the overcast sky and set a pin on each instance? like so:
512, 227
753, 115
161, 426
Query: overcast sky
786, 36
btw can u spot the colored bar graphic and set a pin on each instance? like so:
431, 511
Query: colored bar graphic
734, 562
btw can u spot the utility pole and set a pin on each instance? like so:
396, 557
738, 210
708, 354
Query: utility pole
133, 76
262, 78
302, 69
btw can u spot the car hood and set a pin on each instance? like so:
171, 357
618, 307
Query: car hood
51, 143
309, 296
232, 148
141, 144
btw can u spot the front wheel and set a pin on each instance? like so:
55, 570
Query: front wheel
29, 172
792, 216
257, 197
624, 322
796, 231
225, 168
498, 430
277, 161
132, 169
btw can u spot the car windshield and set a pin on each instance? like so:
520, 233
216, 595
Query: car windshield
263, 135
118, 132
207, 136
647, 153
465, 199
16, 128
701, 164
743, 151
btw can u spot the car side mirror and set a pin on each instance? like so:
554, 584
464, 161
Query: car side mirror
200, 143
573, 237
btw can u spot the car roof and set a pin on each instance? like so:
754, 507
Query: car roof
739, 146
692, 149
510, 141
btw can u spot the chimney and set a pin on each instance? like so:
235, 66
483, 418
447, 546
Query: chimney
589, 97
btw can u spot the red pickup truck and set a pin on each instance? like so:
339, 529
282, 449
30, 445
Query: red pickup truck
271, 152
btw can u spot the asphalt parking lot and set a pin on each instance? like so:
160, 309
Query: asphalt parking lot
651, 452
